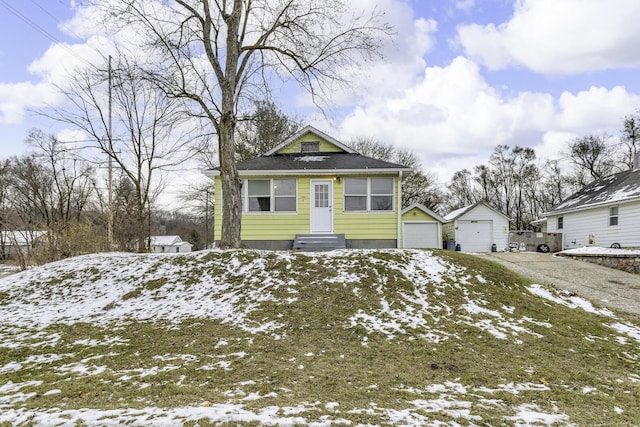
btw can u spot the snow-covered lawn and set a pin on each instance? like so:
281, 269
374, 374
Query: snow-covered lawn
393, 301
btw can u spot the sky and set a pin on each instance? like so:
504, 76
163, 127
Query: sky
459, 77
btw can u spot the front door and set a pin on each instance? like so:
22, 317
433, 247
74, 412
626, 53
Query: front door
321, 206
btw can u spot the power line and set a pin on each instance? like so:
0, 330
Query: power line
42, 31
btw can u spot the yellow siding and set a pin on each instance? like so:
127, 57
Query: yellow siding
416, 214
279, 226
325, 146
284, 226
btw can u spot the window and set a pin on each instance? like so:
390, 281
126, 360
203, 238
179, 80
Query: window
284, 194
613, 215
381, 194
355, 194
270, 195
310, 147
560, 222
259, 195
368, 194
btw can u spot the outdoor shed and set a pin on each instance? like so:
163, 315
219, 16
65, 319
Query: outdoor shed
421, 227
476, 228
169, 244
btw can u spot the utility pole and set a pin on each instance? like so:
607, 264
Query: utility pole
110, 172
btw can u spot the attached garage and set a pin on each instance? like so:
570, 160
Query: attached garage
421, 228
476, 228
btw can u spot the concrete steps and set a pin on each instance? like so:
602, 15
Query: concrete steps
319, 242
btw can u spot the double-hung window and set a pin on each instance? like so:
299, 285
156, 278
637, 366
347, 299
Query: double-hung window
270, 195
368, 194
613, 215
560, 223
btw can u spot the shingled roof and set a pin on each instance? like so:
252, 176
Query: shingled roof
326, 161
617, 188
342, 159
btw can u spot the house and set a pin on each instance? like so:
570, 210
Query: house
19, 242
169, 244
421, 228
606, 213
312, 191
477, 227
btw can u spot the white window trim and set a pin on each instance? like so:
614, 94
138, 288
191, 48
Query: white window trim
272, 196
617, 216
368, 197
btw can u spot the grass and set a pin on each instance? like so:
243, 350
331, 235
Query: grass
571, 361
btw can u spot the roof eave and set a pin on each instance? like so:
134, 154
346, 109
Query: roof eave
424, 209
327, 171
590, 206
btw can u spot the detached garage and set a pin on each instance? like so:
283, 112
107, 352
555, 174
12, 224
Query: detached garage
421, 228
477, 227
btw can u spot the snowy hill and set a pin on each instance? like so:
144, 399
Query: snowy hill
343, 337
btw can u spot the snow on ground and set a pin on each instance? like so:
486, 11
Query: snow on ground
105, 289
598, 250
568, 299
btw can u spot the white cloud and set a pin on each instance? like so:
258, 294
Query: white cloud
595, 110
559, 37
465, 5
16, 98
454, 119
402, 56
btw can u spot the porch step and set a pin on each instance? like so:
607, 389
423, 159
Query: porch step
319, 242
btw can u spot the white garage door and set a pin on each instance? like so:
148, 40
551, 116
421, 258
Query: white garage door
420, 235
474, 236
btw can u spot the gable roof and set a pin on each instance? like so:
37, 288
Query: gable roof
299, 163
452, 216
613, 189
165, 240
423, 209
305, 130
344, 161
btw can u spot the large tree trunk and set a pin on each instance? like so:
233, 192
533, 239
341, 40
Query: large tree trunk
231, 186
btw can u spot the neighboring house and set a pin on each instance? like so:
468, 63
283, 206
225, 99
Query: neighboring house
476, 228
20, 240
169, 244
421, 228
311, 186
603, 213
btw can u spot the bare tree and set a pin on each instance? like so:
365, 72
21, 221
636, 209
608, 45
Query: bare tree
630, 136
461, 191
218, 53
592, 156
51, 191
145, 140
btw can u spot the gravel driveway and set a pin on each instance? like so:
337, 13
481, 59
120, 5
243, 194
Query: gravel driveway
606, 286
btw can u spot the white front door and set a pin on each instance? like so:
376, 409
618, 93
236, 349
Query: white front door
322, 206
